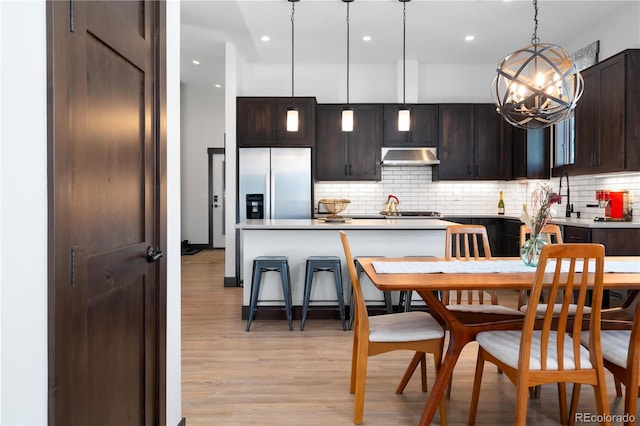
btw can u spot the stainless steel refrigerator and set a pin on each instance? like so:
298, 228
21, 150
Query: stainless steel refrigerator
274, 183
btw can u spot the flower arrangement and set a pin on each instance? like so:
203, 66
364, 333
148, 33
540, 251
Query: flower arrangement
539, 211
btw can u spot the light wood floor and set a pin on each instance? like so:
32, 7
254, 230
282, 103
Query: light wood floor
273, 376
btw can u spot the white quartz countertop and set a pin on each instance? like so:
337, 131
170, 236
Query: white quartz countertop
319, 224
572, 221
590, 223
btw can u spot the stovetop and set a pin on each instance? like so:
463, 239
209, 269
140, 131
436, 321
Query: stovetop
417, 214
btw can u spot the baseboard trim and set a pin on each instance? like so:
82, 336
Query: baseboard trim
230, 282
183, 422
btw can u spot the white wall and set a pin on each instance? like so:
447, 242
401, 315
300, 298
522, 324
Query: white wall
202, 127
173, 250
23, 214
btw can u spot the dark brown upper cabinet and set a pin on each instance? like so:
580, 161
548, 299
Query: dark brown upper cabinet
607, 136
262, 122
424, 126
472, 143
349, 155
531, 153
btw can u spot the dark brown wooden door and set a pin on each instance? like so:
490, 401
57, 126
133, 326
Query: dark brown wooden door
106, 196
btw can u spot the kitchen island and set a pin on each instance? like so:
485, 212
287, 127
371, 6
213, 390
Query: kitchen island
301, 238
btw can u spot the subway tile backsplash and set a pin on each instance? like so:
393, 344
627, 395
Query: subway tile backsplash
416, 191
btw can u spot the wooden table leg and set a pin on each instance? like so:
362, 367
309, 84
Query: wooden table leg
461, 331
442, 378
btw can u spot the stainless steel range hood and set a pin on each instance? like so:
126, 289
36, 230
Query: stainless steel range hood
410, 156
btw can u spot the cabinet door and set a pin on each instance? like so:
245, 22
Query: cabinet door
532, 153
424, 126
495, 230
456, 142
618, 242
255, 121
489, 147
305, 136
610, 152
331, 156
576, 234
365, 143
587, 119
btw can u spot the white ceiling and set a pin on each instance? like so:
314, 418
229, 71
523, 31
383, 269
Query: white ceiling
435, 30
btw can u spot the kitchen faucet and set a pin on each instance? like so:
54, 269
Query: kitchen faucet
569, 209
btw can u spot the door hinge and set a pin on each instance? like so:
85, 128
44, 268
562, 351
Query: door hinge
73, 267
72, 26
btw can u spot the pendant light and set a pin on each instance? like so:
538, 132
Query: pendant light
347, 111
292, 111
404, 114
538, 85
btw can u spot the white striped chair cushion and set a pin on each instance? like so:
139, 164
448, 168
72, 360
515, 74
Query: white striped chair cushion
614, 343
542, 308
505, 345
487, 309
404, 327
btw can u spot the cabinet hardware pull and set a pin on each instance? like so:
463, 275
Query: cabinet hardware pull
469, 169
345, 170
349, 169
477, 170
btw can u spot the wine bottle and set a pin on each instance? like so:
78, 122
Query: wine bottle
501, 203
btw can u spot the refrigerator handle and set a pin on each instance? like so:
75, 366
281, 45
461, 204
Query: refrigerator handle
272, 207
267, 194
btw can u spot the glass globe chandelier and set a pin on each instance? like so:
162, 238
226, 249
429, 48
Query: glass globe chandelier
538, 85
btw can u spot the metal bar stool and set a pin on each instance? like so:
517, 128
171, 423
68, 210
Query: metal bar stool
323, 264
270, 264
386, 294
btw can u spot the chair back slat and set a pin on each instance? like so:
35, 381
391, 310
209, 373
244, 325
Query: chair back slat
361, 322
561, 284
459, 242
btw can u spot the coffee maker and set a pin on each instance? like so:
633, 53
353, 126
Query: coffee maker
617, 205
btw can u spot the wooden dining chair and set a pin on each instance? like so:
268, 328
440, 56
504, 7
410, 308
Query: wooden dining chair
554, 236
544, 351
619, 318
464, 242
470, 242
621, 354
415, 331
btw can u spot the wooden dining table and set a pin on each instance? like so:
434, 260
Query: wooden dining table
464, 326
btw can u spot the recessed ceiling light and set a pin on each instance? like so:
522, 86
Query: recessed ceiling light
196, 62
366, 38
265, 38
218, 86
469, 37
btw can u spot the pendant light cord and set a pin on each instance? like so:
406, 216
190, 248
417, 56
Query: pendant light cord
293, 11
404, 53
534, 38
347, 53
